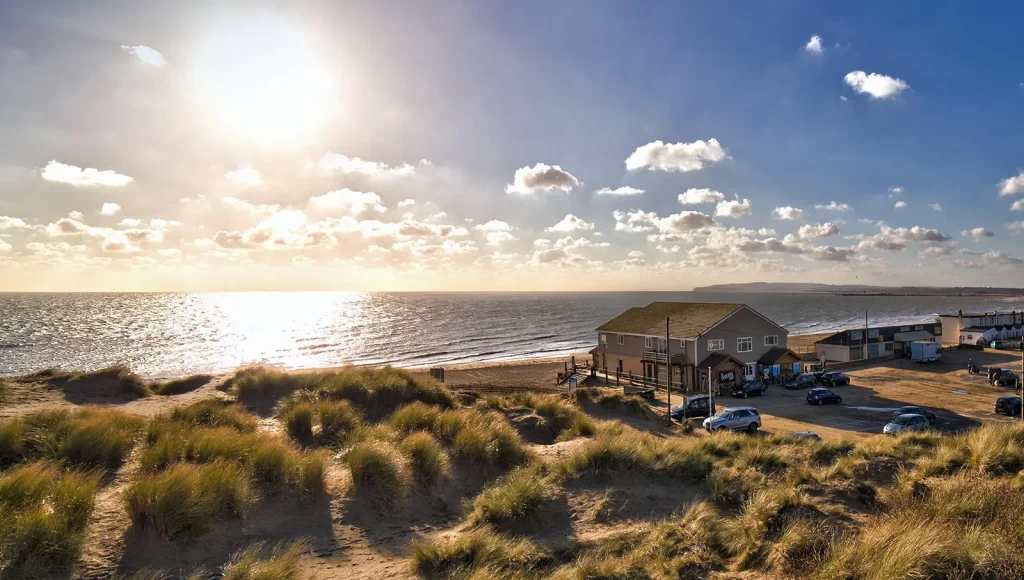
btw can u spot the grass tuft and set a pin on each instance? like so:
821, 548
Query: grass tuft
215, 413
429, 459
518, 495
180, 386
298, 421
380, 473
257, 562
481, 549
338, 420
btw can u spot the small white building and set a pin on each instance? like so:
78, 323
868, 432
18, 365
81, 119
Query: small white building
956, 326
982, 335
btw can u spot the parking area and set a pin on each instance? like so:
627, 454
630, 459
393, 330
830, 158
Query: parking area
958, 399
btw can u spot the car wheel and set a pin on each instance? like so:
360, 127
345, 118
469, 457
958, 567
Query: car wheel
744, 395
752, 428
820, 402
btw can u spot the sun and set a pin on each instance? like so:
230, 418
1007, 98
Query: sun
263, 80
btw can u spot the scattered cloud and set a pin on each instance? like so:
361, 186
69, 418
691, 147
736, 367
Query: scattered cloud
10, 223
843, 98
496, 232
900, 204
571, 223
110, 208
145, 55
876, 86
62, 173
1013, 227
1000, 258
813, 45
834, 206
678, 157
636, 254
733, 208
1017, 205
978, 234
695, 196
936, 206
406, 203
245, 175
346, 164
891, 239
895, 190
811, 232
624, 190
788, 213
541, 177
1012, 185
352, 201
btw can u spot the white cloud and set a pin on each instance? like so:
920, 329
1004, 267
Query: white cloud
4, 246
680, 157
494, 226
348, 200
766, 232
145, 55
110, 208
896, 239
1015, 227
978, 234
814, 45
895, 190
900, 204
406, 203
788, 213
571, 223
246, 175
733, 208
695, 196
811, 232
624, 190
10, 223
1012, 185
936, 206
1001, 258
876, 86
636, 254
834, 206
78, 177
634, 221
541, 177
76, 215
346, 164
842, 98
255, 209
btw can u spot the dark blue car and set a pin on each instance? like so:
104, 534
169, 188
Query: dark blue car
821, 396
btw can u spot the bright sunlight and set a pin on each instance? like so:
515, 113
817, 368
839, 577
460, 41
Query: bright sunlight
263, 80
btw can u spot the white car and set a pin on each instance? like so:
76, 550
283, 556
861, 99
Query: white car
735, 419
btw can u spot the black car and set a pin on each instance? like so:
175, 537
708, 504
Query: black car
695, 406
1008, 406
748, 389
1005, 379
912, 410
818, 375
802, 381
834, 379
821, 396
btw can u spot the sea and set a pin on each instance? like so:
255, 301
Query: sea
162, 335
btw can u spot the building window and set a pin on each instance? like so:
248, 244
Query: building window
750, 370
648, 342
937, 331
744, 344
905, 328
919, 327
772, 340
620, 339
970, 337
888, 347
604, 339
716, 344
682, 344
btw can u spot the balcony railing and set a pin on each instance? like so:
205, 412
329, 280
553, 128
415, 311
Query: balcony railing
660, 357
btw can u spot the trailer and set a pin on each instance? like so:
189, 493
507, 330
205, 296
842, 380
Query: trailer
925, 351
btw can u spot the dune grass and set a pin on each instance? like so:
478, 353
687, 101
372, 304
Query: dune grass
518, 495
611, 399
429, 459
380, 472
86, 438
258, 562
683, 459
338, 420
566, 419
298, 422
5, 389
479, 549
43, 514
179, 386
184, 501
215, 413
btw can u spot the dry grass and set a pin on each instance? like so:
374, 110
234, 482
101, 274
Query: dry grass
180, 386
611, 399
479, 549
86, 438
43, 514
215, 413
258, 562
566, 419
380, 472
518, 495
429, 459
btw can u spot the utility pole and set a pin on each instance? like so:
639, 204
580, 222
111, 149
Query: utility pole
668, 367
709, 392
1020, 380
867, 347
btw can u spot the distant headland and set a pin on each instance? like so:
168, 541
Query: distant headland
858, 289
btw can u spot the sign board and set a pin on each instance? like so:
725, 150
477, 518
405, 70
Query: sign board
856, 334
872, 333
726, 376
572, 384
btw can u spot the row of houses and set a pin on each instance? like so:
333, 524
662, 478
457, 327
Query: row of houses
684, 341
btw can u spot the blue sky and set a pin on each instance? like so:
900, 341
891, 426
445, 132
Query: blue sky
379, 144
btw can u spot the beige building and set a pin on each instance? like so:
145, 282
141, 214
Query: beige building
733, 340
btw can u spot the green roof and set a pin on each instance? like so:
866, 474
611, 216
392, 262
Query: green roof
686, 319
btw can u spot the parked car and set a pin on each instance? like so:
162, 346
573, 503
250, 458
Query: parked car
1005, 379
820, 396
834, 379
1008, 406
818, 375
748, 389
735, 419
915, 410
996, 344
694, 406
801, 381
805, 435
904, 423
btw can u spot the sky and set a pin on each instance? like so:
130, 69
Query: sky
532, 145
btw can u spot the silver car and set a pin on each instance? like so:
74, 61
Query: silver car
735, 419
906, 423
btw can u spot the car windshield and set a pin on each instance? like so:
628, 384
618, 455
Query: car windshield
904, 419
723, 414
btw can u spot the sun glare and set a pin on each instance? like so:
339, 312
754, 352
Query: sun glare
264, 80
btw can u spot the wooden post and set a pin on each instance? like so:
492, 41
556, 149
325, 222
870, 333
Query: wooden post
668, 368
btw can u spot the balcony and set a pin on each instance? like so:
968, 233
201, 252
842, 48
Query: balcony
654, 356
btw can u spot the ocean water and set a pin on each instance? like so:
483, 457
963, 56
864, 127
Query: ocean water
171, 334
